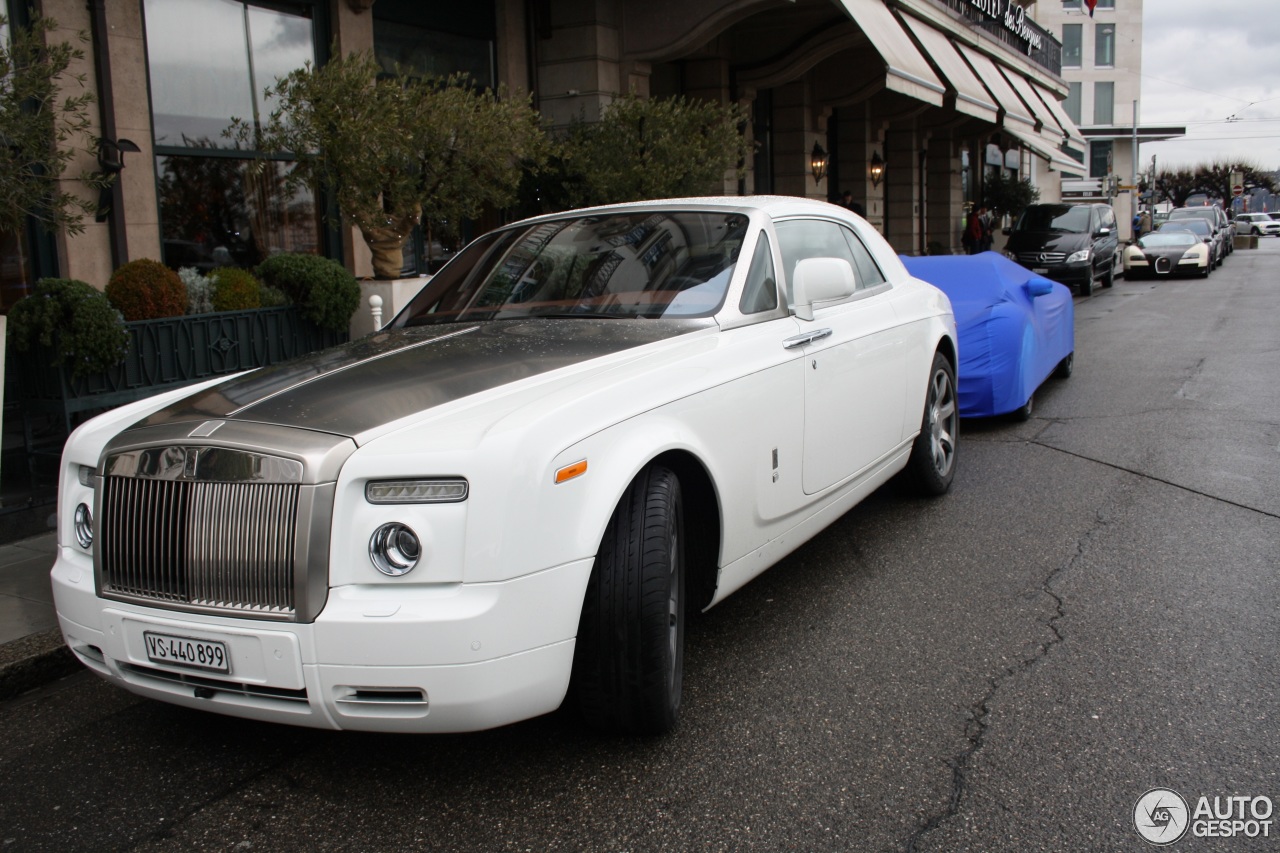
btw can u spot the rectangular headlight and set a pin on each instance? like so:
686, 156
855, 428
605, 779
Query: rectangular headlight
85, 475
434, 491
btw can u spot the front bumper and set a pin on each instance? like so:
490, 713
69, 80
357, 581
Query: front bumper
388, 658
1073, 274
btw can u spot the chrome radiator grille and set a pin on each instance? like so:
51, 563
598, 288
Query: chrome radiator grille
225, 545
1033, 259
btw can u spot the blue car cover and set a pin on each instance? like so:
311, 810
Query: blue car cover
1010, 339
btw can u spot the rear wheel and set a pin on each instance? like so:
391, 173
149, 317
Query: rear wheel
1065, 367
933, 456
628, 664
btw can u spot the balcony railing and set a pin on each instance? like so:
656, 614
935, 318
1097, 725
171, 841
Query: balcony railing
1048, 55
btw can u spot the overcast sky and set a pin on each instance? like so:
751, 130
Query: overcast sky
1204, 61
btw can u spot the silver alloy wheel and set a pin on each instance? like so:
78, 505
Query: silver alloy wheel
943, 422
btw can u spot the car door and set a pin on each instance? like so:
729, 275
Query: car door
854, 353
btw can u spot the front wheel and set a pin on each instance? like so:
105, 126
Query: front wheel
1023, 412
1086, 286
1109, 279
629, 661
933, 456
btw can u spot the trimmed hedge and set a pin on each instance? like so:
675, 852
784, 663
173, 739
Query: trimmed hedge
323, 289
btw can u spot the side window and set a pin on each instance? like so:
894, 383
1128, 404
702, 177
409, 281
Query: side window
761, 291
869, 274
810, 238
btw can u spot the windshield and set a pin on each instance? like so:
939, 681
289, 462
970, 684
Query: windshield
646, 265
1196, 224
1184, 213
1072, 219
1168, 239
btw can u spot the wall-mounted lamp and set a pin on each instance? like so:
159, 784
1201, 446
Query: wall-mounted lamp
876, 169
111, 158
818, 163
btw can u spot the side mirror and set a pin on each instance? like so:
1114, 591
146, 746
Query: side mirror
1102, 232
821, 280
1039, 287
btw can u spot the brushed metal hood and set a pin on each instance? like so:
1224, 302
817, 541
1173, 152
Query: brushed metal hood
383, 377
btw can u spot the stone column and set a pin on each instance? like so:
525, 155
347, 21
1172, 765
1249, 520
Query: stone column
794, 132
861, 137
902, 180
944, 213
578, 57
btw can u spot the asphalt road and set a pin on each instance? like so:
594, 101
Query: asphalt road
1094, 611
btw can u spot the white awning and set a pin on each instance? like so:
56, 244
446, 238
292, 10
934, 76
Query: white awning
971, 98
1016, 115
906, 71
1060, 115
1048, 125
1044, 147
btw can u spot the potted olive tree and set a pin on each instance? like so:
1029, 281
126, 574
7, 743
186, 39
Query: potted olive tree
396, 150
643, 148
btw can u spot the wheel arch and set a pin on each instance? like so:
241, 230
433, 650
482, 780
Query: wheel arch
702, 514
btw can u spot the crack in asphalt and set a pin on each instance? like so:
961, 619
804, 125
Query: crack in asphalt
979, 712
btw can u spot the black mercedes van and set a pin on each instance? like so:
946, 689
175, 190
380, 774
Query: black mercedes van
1075, 244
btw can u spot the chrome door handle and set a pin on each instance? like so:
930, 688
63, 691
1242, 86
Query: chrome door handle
805, 338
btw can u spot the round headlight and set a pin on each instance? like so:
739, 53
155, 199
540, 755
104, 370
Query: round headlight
394, 549
84, 526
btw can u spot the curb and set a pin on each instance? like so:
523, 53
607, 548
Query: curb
33, 662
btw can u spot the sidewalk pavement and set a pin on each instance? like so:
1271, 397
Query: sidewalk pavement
31, 648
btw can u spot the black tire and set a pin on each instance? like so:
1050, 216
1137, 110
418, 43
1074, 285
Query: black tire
933, 456
1204, 273
1023, 412
1086, 286
629, 660
1257, 232
1065, 367
1109, 279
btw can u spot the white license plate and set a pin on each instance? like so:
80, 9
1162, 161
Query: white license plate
1039, 270
187, 651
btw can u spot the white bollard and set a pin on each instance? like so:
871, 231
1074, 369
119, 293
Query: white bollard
375, 308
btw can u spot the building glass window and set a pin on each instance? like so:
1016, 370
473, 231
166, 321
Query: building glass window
1072, 37
209, 62
1104, 102
1106, 4
1072, 104
1100, 159
1104, 45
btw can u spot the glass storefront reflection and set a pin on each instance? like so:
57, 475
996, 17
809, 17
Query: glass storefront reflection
224, 211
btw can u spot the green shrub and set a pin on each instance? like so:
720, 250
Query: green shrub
235, 290
273, 297
74, 318
147, 290
199, 290
323, 289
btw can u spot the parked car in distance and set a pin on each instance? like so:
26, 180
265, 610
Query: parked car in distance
1016, 329
1216, 216
1166, 253
1075, 244
1203, 229
585, 427
1257, 224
